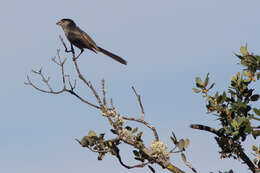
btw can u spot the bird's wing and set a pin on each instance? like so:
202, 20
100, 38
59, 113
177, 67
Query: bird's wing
89, 40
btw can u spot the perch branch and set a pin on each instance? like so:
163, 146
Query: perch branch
140, 102
88, 83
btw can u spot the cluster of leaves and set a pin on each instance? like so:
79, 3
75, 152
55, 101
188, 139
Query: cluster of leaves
250, 61
99, 144
234, 107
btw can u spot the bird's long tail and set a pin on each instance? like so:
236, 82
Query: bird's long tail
113, 56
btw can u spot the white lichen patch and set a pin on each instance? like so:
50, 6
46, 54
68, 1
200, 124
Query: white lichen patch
159, 150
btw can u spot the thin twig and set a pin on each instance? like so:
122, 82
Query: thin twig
51, 91
145, 123
104, 92
45, 80
140, 102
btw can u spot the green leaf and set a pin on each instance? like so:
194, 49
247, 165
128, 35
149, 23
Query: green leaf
234, 124
199, 82
238, 75
211, 86
248, 128
187, 142
136, 153
101, 136
243, 50
173, 140
256, 133
84, 141
241, 120
206, 80
101, 156
196, 90
128, 128
139, 135
113, 131
255, 161
135, 130
216, 95
224, 96
245, 73
183, 157
254, 97
257, 57
91, 133
239, 56
257, 111
254, 148
173, 135
219, 99
248, 80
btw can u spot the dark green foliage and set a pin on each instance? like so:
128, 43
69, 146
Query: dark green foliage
98, 144
235, 107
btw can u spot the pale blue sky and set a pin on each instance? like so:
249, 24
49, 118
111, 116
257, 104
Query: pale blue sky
166, 43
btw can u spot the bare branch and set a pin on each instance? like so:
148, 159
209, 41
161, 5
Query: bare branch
104, 92
46, 81
140, 102
145, 123
60, 63
83, 100
205, 128
88, 83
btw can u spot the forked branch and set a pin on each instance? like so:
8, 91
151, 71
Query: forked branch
115, 119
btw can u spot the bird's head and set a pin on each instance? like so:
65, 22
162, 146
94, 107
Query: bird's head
66, 23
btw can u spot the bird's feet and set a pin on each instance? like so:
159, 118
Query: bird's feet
75, 58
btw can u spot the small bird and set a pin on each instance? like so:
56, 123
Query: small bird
82, 40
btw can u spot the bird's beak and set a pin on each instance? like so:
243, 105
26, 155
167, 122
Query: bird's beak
58, 23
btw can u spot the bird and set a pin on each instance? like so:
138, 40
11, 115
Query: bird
81, 40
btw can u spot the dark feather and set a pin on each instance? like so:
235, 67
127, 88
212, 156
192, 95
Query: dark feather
111, 55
